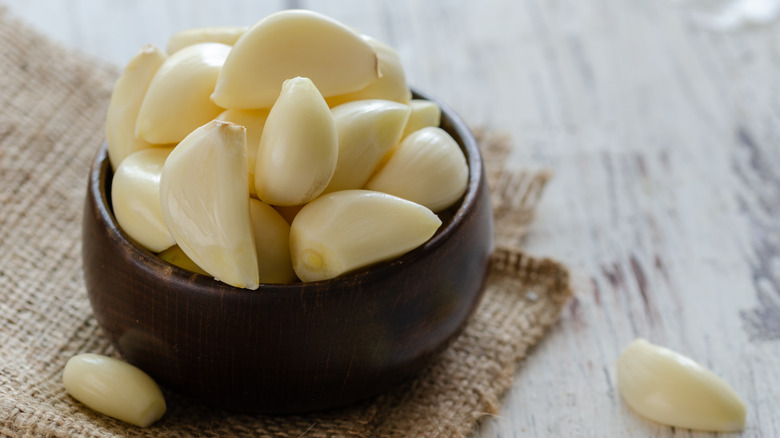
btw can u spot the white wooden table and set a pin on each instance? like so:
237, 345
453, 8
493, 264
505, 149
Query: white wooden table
664, 137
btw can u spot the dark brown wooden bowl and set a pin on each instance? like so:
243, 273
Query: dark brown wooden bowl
288, 348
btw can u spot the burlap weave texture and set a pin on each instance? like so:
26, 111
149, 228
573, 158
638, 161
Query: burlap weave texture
52, 110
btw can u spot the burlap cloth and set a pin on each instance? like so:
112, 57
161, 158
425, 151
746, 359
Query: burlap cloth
52, 107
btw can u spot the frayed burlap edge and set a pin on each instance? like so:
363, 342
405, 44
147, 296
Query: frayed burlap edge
52, 106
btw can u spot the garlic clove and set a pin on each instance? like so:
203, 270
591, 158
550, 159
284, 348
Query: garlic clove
391, 83
126, 99
272, 242
672, 389
294, 43
298, 149
176, 256
205, 202
253, 121
135, 197
271, 233
178, 101
428, 168
213, 34
346, 230
114, 388
367, 131
424, 113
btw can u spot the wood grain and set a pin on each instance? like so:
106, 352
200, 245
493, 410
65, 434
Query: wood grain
662, 137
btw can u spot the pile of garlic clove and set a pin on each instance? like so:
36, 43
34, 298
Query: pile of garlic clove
290, 150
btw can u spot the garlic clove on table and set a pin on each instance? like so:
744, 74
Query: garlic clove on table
114, 388
672, 389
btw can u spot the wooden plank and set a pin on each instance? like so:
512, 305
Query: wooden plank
663, 137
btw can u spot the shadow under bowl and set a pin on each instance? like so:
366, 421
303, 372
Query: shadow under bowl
297, 347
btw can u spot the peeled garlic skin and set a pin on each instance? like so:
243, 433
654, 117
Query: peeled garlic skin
126, 99
114, 388
205, 202
213, 34
298, 150
428, 168
346, 230
294, 43
177, 100
135, 198
272, 241
672, 389
367, 131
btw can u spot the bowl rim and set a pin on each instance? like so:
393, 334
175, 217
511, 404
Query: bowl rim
450, 121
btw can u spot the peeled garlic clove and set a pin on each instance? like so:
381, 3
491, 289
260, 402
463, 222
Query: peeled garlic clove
114, 388
178, 100
298, 150
175, 256
205, 202
213, 34
272, 241
428, 168
672, 389
294, 43
135, 197
342, 231
253, 121
391, 83
367, 131
424, 114
129, 92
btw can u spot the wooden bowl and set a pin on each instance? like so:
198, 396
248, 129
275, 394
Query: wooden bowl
288, 348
